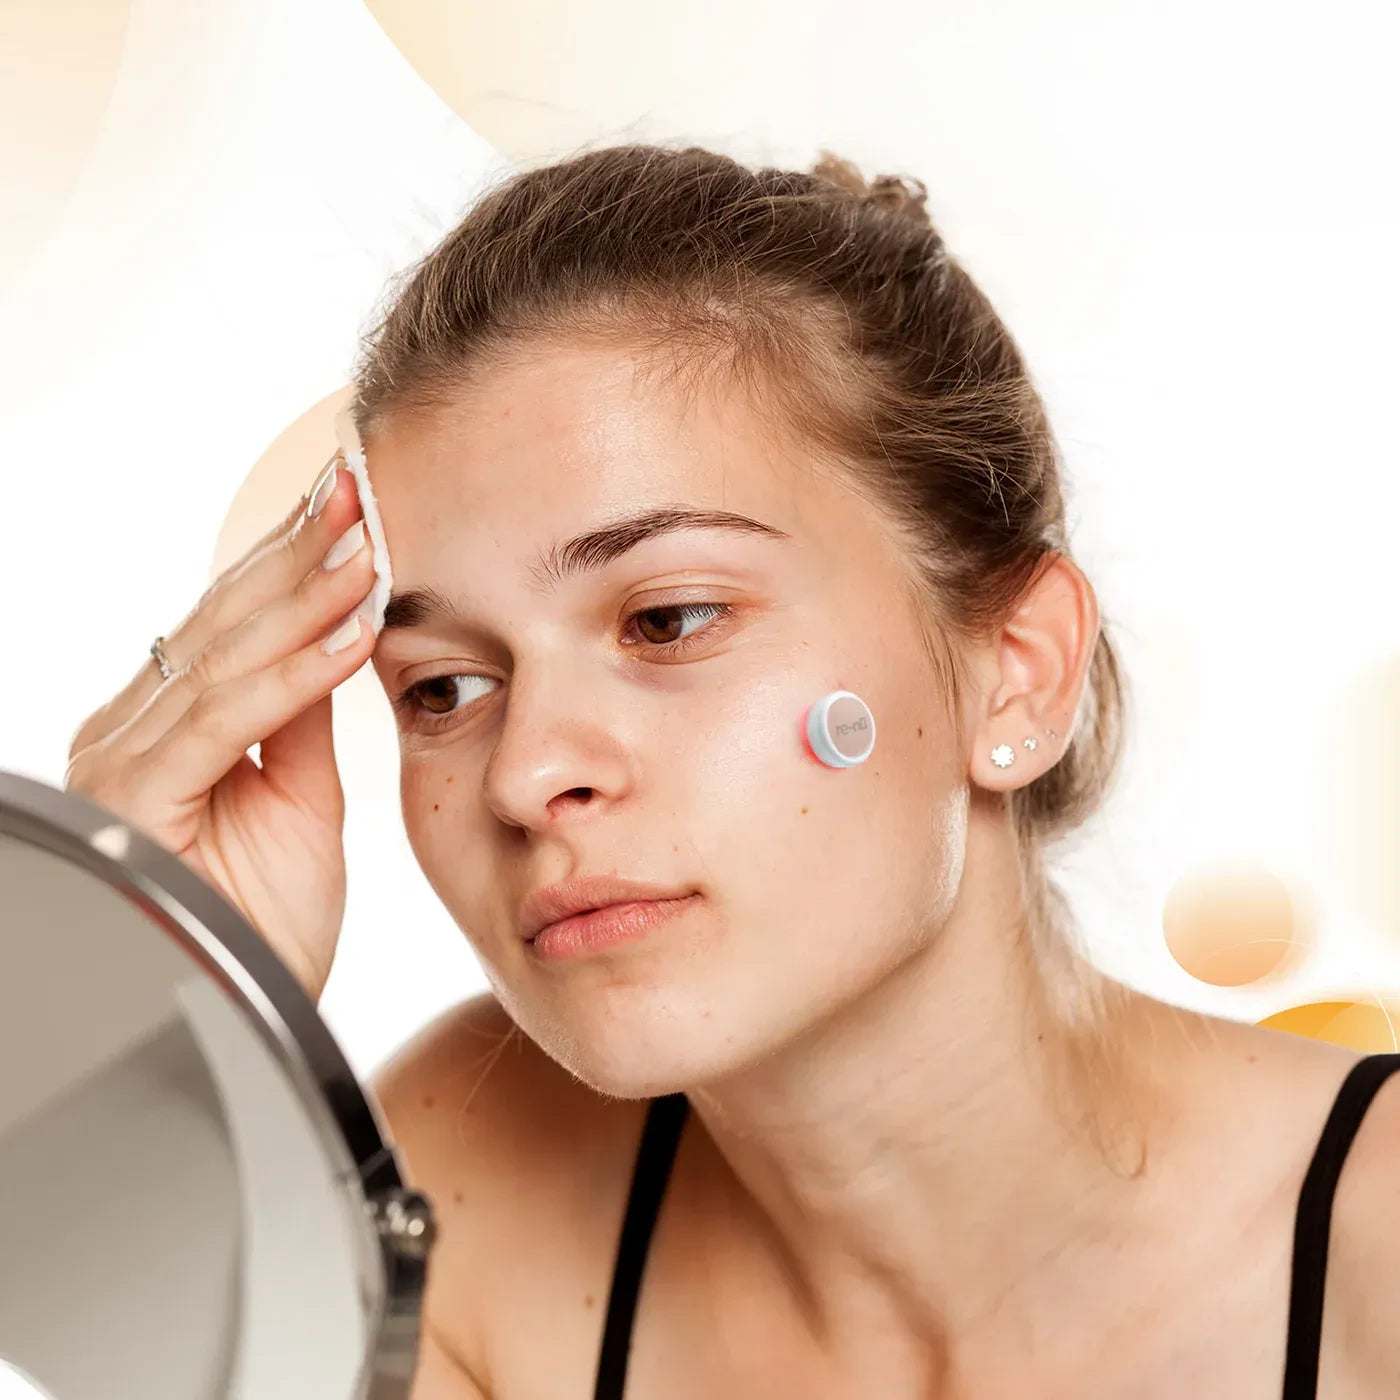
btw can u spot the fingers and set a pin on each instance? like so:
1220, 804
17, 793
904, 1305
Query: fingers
244, 686
269, 569
297, 621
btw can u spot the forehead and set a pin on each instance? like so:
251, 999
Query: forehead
559, 431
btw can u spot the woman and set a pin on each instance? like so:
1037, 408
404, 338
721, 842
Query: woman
668, 450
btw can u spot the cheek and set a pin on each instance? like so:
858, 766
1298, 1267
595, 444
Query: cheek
793, 844
430, 799
433, 803
749, 777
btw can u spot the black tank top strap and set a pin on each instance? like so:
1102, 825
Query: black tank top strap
1313, 1225
655, 1154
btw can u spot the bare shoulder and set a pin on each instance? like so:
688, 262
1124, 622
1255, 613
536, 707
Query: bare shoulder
1268, 1095
527, 1169
1359, 1353
1361, 1319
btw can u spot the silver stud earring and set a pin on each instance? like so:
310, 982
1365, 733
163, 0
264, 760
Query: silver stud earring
1029, 744
1003, 755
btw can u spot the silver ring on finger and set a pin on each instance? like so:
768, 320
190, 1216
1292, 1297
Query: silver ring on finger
158, 651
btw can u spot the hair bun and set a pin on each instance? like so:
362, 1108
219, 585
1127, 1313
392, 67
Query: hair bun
900, 194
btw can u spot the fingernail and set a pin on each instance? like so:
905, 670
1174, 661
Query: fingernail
345, 635
345, 547
321, 492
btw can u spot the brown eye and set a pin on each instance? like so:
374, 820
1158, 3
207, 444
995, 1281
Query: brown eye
435, 700
438, 698
424, 693
657, 620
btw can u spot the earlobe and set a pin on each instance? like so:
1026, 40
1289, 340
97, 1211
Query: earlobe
1003, 755
1037, 666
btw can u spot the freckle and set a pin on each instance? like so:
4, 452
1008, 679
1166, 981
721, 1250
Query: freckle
457, 1196
428, 1101
921, 731
804, 811
588, 1301
1253, 1059
435, 806
449, 777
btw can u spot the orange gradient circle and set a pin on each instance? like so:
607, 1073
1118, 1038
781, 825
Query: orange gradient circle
1235, 924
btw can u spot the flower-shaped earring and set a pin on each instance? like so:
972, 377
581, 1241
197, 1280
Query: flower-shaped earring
1004, 755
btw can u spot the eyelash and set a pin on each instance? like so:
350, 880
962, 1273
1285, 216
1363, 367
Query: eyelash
405, 700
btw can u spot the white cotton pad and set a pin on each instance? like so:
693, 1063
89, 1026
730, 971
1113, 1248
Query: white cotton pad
354, 453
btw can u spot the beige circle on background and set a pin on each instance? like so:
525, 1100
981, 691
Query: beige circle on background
1361, 830
58, 67
1369, 1024
287, 469
513, 72
1233, 924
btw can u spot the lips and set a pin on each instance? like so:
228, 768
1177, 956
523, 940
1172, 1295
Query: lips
602, 929
585, 893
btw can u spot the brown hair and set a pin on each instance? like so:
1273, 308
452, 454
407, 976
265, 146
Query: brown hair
834, 302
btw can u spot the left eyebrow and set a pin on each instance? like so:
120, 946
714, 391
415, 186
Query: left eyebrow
585, 553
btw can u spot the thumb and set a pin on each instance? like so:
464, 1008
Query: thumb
299, 761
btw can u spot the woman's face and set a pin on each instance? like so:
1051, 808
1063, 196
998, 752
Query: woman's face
551, 737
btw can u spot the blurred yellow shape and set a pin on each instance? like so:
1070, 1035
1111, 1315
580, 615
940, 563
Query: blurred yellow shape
1366, 1025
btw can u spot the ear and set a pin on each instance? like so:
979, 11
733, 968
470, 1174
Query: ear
1032, 674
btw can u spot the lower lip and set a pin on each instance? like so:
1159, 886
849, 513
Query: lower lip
604, 928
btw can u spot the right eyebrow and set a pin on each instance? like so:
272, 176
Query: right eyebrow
585, 553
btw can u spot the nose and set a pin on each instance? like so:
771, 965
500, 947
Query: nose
565, 746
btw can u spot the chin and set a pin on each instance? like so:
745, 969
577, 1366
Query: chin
639, 1053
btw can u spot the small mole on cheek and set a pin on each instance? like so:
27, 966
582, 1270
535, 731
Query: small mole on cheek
804, 811
449, 777
435, 806
921, 731
428, 1101
588, 1301
457, 1196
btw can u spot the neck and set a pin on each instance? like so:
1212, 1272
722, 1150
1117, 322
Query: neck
970, 1141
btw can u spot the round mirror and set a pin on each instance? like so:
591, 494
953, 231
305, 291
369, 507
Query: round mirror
197, 1199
